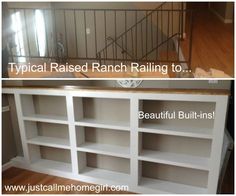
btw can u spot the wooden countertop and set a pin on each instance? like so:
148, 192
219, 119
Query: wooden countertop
132, 90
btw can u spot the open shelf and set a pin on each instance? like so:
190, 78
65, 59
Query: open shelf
51, 158
184, 131
170, 187
52, 165
175, 150
175, 159
46, 118
44, 108
47, 134
105, 149
172, 125
123, 126
104, 167
103, 141
106, 174
102, 112
166, 178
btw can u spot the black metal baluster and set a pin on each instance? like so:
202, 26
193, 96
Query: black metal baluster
122, 50
172, 20
142, 38
115, 35
46, 32
132, 41
64, 12
179, 33
27, 35
151, 31
126, 47
105, 22
85, 29
168, 33
36, 32
95, 32
146, 34
76, 41
157, 36
136, 36
55, 31
190, 38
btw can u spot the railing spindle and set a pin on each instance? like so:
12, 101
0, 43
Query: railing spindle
67, 52
136, 36
105, 23
85, 28
95, 32
76, 41
168, 32
27, 35
157, 36
126, 44
146, 33
46, 32
115, 34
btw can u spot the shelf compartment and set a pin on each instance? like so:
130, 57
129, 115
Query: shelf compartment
44, 108
47, 134
49, 157
102, 112
104, 167
172, 179
175, 150
103, 141
201, 128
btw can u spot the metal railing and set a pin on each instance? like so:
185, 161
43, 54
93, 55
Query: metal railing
103, 35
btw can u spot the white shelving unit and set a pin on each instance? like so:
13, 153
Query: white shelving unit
94, 135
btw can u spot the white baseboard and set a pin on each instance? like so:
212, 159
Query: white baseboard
7, 165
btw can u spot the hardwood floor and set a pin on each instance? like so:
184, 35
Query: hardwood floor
16, 176
213, 43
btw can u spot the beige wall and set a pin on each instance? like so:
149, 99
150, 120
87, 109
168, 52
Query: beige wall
225, 10
65, 25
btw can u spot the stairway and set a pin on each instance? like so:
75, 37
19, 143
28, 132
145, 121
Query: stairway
149, 39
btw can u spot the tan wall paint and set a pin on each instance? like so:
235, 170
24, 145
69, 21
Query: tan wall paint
224, 9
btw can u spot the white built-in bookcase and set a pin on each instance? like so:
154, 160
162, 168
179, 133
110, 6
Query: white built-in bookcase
94, 135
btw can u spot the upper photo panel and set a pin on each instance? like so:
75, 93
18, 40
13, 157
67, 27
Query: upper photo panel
118, 40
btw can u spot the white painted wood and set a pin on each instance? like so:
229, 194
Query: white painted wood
204, 133
194, 162
50, 141
104, 124
53, 165
217, 143
105, 149
46, 118
22, 127
7, 165
171, 187
134, 144
108, 175
79, 148
72, 134
6, 108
